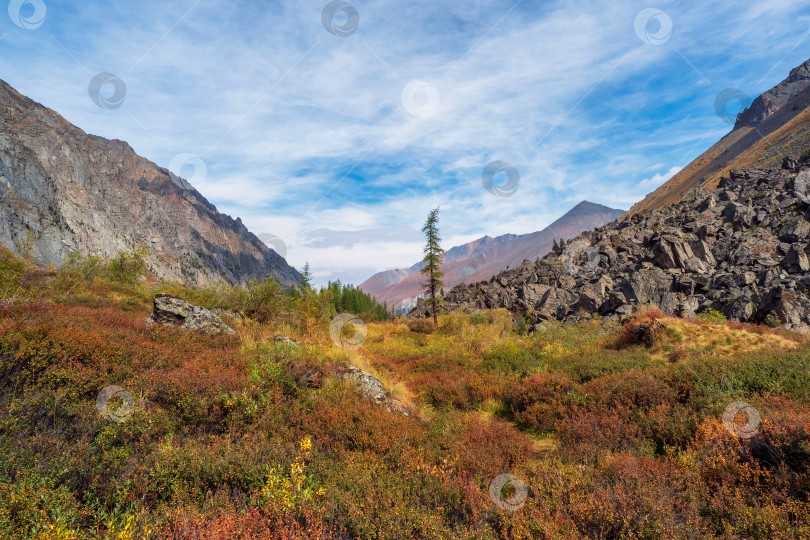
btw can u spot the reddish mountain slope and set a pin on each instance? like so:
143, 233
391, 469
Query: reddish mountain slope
64, 191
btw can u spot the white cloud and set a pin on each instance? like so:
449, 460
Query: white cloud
659, 178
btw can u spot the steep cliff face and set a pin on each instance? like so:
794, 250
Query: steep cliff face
741, 249
69, 191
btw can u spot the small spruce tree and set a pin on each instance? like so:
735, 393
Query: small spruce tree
306, 277
434, 255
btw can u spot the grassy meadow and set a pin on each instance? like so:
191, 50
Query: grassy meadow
615, 431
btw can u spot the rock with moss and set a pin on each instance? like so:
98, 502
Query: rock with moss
372, 389
171, 310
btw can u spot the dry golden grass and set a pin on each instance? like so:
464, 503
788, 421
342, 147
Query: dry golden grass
390, 380
718, 339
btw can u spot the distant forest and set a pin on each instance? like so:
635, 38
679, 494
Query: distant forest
350, 299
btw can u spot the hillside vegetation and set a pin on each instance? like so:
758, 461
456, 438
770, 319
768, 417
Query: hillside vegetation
613, 431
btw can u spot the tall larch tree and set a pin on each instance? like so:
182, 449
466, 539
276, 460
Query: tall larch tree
434, 255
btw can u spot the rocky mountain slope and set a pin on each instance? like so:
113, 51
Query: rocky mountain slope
777, 123
62, 190
485, 257
741, 249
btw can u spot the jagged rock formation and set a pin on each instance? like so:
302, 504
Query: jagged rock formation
741, 249
69, 191
774, 99
174, 311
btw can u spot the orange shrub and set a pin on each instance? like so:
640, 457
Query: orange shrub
631, 497
755, 487
421, 326
644, 328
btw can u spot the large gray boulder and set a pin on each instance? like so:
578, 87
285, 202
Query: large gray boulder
171, 310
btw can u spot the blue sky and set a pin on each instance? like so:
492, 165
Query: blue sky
341, 144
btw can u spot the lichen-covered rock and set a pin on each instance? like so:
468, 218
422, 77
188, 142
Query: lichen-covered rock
284, 340
171, 310
372, 389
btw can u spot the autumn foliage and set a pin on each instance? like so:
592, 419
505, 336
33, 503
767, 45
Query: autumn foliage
228, 440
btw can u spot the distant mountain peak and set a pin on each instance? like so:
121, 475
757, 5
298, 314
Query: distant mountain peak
585, 208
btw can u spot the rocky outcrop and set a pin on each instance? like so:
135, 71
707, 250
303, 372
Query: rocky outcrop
171, 310
769, 133
741, 249
372, 389
774, 99
68, 191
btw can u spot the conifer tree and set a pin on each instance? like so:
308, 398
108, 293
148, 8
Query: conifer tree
306, 277
434, 255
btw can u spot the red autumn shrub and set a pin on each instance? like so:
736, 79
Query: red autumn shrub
489, 448
460, 390
636, 389
538, 401
585, 436
630, 497
442, 389
348, 423
252, 523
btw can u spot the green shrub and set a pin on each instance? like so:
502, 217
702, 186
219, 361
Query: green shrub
12, 271
265, 300
521, 326
712, 316
506, 357
127, 268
